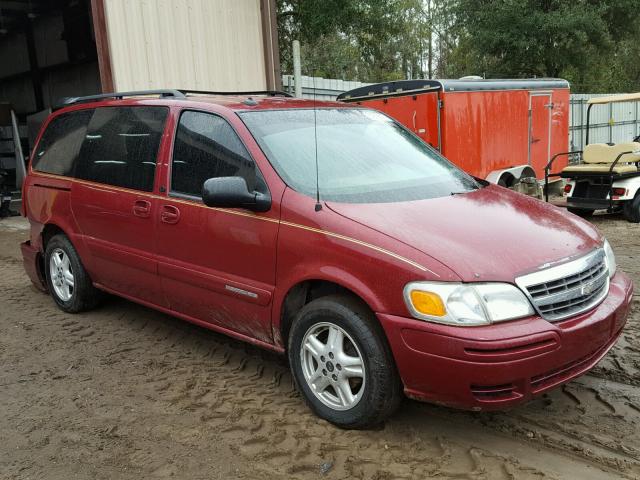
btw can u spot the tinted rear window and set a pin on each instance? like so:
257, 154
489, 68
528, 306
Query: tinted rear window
121, 146
58, 149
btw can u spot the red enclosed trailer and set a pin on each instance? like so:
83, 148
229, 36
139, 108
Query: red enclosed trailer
499, 130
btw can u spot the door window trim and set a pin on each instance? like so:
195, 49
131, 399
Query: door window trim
196, 198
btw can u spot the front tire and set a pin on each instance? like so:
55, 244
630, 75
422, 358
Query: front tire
342, 364
68, 282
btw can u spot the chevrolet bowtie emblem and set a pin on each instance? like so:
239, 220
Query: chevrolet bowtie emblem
587, 289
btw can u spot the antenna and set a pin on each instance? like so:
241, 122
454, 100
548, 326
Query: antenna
315, 134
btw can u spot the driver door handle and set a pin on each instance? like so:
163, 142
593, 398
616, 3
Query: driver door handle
170, 214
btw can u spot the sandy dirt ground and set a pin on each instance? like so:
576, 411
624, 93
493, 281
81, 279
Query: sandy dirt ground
124, 392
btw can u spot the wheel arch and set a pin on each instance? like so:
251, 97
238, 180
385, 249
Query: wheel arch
49, 231
303, 292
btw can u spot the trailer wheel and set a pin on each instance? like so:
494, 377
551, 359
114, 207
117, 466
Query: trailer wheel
581, 212
631, 209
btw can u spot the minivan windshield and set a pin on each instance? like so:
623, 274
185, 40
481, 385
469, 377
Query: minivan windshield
363, 156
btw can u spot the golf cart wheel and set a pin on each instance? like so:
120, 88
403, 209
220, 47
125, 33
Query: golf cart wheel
342, 364
581, 212
631, 209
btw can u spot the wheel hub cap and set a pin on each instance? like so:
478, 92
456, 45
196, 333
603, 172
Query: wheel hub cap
61, 275
333, 366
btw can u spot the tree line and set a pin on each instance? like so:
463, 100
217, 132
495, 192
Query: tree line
595, 44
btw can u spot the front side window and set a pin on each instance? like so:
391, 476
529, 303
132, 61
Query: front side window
121, 146
207, 147
59, 147
362, 156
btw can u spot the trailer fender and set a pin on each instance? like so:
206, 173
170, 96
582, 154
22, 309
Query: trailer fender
521, 179
508, 177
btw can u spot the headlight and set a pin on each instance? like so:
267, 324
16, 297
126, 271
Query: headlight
466, 303
610, 258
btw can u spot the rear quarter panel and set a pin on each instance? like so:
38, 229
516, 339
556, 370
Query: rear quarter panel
47, 202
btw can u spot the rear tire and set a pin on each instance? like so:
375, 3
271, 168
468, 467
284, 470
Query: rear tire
68, 282
342, 364
581, 212
631, 209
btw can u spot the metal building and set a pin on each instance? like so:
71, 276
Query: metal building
55, 48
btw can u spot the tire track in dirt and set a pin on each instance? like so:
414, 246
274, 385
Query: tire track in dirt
591, 418
125, 392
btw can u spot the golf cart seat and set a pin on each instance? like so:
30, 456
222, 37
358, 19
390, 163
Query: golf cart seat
598, 157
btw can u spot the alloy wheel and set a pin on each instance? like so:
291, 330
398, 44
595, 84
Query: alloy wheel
333, 366
61, 274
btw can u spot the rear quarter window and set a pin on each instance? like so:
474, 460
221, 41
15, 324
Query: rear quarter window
58, 149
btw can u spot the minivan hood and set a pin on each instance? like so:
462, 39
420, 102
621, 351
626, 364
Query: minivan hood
491, 234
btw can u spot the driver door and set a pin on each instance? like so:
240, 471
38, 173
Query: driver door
216, 265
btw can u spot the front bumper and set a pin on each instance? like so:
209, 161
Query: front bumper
501, 365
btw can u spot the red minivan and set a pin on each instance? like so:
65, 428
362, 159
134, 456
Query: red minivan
323, 230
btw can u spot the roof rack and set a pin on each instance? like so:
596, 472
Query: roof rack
270, 93
167, 93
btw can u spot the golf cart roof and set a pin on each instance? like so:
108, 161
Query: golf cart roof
624, 97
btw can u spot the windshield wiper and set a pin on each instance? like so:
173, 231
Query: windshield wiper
460, 193
471, 189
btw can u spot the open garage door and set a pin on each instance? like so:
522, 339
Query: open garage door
47, 51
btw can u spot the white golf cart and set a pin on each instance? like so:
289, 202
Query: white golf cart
607, 176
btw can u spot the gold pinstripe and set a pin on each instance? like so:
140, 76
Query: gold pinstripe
246, 214
360, 242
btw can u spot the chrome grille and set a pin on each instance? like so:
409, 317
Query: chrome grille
568, 289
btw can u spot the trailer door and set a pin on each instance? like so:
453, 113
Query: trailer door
540, 107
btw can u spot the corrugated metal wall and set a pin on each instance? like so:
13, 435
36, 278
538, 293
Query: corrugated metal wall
196, 44
612, 123
320, 88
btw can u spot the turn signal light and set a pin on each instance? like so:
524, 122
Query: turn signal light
567, 188
619, 192
428, 303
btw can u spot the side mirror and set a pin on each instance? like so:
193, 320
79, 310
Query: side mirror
232, 192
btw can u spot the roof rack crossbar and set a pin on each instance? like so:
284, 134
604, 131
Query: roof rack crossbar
166, 93
271, 93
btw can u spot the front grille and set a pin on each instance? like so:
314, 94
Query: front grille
568, 289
